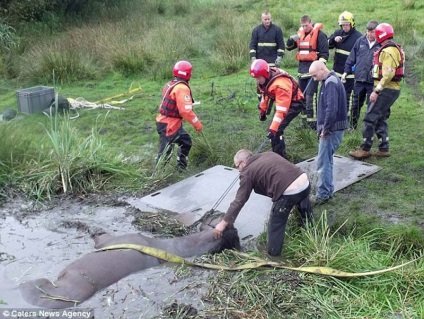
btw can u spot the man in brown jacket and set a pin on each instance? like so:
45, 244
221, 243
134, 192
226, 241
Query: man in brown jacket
270, 175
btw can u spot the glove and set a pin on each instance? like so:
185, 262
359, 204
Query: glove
278, 61
295, 37
199, 127
252, 59
271, 134
343, 78
262, 116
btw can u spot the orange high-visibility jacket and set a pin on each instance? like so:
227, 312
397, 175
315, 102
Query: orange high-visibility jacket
280, 88
176, 105
307, 44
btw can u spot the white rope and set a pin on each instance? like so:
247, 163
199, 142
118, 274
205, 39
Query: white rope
80, 103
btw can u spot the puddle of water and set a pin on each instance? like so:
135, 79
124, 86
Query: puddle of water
40, 246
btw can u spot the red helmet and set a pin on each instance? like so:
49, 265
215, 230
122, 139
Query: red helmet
383, 32
259, 67
182, 69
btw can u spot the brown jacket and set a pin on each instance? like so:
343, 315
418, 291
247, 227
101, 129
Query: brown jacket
268, 174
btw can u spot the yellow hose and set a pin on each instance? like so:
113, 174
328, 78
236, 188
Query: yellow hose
325, 271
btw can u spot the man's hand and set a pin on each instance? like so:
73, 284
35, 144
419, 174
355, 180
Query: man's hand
278, 61
262, 116
338, 38
295, 37
220, 228
271, 134
343, 78
373, 97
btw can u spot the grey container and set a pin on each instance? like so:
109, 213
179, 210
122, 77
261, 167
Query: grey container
35, 99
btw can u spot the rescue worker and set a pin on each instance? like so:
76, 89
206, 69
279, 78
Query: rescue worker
270, 175
176, 105
277, 86
342, 41
311, 43
267, 43
359, 62
388, 71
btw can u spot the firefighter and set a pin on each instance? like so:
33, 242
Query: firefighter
342, 41
176, 105
312, 44
388, 71
267, 43
279, 87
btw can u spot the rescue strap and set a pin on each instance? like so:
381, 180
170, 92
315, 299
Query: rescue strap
130, 91
259, 263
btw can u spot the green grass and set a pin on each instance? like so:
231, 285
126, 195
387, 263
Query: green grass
370, 225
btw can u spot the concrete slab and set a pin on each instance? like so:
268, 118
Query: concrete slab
191, 198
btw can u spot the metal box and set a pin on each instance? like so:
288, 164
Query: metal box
35, 99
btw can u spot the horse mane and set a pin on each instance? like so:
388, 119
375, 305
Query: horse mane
229, 240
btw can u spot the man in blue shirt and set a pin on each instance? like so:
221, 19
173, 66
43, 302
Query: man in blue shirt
331, 123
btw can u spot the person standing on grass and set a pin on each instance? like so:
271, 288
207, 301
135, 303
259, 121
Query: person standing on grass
331, 123
342, 41
176, 105
360, 59
388, 72
267, 42
270, 175
276, 85
312, 45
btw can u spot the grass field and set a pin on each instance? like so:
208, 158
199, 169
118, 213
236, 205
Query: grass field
370, 225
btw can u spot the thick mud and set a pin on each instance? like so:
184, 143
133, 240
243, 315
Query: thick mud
40, 240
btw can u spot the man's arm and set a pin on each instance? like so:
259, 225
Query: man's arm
324, 52
253, 46
183, 98
280, 42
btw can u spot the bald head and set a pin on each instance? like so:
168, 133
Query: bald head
241, 158
318, 70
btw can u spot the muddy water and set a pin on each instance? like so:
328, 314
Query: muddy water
36, 243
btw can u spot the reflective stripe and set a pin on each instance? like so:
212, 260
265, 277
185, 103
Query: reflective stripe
304, 43
344, 52
304, 75
350, 76
188, 107
303, 52
277, 119
195, 120
252, 51
267, 44
281, 108
280, 50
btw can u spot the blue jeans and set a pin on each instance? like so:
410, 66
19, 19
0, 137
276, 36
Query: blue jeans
326, 149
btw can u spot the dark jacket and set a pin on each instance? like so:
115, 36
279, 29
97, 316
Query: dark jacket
268, 174
361, 56
342, 48
332, 115
267, 44
323, 52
